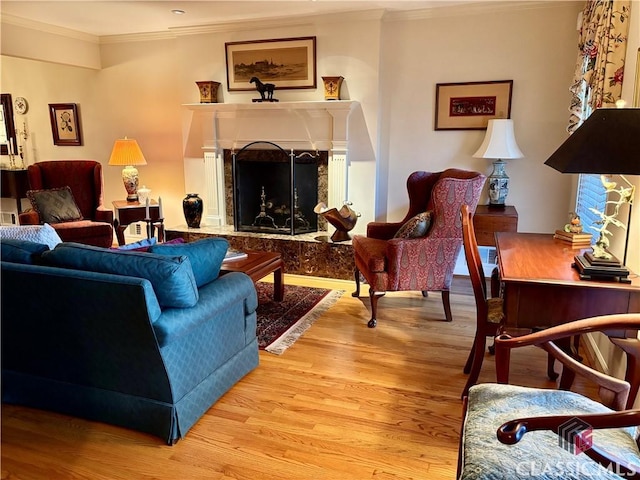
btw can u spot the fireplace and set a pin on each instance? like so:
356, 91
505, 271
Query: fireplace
275, 191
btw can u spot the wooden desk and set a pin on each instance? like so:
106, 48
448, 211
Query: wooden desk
541, 289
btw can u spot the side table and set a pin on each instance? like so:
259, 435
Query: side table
489, 220
126, 213
258, 265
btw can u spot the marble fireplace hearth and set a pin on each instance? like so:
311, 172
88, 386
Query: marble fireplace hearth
306, 254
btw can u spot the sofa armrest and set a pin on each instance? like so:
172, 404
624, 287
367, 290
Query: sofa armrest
217, 299
104, 215
30, 217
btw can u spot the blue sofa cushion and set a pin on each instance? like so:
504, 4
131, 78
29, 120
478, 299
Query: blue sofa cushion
171, 277
21, 251
206, 256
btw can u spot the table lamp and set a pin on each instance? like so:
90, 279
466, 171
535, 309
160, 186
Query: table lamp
607, 143
499, 143
127, 152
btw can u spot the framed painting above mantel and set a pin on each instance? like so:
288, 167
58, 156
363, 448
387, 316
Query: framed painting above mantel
285, 62
470, 105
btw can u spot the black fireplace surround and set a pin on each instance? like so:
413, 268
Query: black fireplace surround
274, 190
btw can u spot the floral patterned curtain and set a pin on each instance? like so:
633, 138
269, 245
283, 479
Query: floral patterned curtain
599, 70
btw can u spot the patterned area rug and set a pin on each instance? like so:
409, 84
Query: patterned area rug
280, 324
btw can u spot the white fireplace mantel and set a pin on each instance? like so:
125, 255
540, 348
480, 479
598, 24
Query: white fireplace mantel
316, 125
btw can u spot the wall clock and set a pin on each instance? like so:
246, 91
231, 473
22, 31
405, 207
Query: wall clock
20, 105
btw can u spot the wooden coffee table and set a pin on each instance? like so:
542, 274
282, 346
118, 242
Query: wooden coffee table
258, 265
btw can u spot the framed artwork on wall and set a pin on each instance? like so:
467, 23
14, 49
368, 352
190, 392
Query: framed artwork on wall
7, 131
470, 105
285, 62
65, 124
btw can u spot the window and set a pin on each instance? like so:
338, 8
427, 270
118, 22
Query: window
590, 194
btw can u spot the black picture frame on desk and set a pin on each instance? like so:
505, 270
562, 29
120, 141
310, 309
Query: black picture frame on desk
8, 132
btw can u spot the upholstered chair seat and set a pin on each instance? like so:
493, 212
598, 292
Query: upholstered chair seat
511, 431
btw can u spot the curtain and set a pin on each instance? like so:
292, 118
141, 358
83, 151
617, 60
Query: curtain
599, 70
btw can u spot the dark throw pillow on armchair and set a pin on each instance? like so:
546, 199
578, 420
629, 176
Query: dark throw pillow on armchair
56, 205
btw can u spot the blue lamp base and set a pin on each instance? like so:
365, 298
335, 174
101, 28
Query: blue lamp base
498, 185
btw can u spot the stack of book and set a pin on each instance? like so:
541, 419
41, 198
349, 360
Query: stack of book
578, 240
234, 254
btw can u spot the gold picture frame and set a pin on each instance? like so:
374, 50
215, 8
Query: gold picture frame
470, 105
285, 62
65, 124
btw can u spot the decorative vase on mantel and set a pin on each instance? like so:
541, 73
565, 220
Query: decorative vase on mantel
208, 91
192, 207
332, 87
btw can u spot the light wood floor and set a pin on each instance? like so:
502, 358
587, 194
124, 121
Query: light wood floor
343, 403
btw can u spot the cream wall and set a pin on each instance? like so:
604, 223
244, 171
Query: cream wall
486, 46
391, 64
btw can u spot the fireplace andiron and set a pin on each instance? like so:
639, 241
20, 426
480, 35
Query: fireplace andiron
344, 220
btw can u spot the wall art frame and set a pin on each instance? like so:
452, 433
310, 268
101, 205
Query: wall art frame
288, 63
8, 134
65, 124
470, 105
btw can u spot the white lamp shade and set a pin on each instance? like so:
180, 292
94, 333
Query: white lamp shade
499, 141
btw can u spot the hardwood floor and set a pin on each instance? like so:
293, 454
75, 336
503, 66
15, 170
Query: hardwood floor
345, 402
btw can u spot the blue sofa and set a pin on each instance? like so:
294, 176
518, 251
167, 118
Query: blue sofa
148, 341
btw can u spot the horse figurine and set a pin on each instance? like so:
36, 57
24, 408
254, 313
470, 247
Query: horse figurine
263, 88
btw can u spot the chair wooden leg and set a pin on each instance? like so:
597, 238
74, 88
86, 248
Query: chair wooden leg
479, 343
374, 307
447, 306
356, 275
425, 293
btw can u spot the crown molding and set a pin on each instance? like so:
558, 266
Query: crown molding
47, 28
497, 6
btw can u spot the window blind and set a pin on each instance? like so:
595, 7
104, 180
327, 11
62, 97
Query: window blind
590, 194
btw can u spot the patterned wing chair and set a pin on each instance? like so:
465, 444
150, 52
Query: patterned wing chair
423, 263
84, 178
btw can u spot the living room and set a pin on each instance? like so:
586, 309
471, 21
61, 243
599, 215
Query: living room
136, 85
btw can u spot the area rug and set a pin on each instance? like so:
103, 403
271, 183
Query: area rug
280, 324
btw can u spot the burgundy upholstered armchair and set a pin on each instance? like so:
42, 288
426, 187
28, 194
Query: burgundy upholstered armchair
424, 263
84, 178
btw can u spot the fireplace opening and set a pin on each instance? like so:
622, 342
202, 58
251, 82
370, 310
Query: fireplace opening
275, 191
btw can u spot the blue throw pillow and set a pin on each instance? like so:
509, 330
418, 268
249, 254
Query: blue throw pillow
171, 277
21, 251
206, 256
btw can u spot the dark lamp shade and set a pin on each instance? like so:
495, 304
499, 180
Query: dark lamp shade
608, 142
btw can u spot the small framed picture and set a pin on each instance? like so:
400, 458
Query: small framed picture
470, 106
65, 124
285, 62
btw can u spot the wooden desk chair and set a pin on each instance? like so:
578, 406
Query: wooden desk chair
511, 431
489, 310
